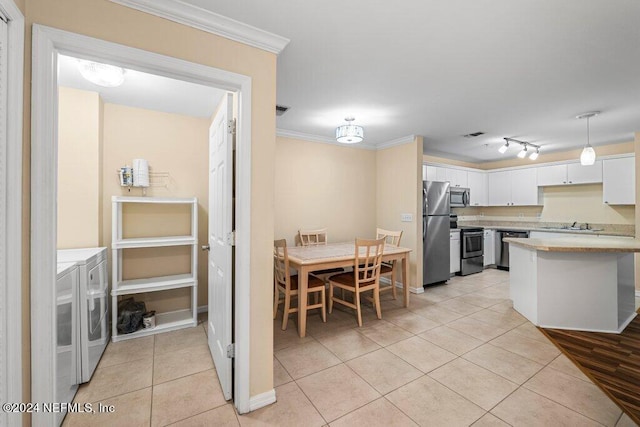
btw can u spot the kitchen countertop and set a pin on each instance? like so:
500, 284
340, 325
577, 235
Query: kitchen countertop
600, 244
549, 229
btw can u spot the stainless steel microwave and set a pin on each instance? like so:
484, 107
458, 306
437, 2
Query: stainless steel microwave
459, 197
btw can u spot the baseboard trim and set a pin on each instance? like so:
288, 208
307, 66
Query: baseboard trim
637, 294
261, 400
387, 281
203, 309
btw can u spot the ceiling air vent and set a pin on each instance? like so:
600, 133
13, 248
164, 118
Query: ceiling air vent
473, 135
281, 109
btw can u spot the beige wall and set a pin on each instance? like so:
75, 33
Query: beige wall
79, 160
324, 185
173, 144
350, 191
105, 20
398, 191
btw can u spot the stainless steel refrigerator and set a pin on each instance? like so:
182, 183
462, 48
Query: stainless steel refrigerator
435, 232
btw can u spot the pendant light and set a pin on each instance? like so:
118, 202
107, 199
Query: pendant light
588, 156
349, 133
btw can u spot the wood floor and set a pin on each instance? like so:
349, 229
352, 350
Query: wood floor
612, 361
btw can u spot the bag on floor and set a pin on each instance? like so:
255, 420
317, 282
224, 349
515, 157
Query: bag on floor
130, 314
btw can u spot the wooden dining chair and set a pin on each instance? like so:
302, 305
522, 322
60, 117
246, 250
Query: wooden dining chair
388, 268
365, 277
287, 284
317, 238
313, 237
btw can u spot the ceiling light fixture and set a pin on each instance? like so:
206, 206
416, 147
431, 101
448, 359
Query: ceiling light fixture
503, 149
349, 133
588, 155
522, 153
101, 74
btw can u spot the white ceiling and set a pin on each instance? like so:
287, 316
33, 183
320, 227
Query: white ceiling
148, 91
511, 68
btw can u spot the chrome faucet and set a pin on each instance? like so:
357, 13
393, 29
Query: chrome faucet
574, 224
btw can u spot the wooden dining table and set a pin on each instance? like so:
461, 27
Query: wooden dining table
307, 259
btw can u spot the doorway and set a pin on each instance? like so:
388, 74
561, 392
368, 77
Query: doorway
47, 44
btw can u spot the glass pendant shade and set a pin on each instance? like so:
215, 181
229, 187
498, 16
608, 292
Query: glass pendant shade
349, 133
588, 156
101, 74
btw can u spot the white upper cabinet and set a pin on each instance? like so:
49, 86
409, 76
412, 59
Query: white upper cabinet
572, 173
578, 174
552, 175
457, 177
518, 187
524, 187
619, 181
478, 188
435, 173
500, 188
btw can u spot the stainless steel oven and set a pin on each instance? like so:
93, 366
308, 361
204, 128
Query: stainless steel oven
459, 197
471, 250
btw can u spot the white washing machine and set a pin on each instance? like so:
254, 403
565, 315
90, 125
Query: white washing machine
66, 367
93, 315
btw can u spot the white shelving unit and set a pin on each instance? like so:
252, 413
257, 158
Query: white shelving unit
168, 321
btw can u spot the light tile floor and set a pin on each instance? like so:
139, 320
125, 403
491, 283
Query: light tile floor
460, 355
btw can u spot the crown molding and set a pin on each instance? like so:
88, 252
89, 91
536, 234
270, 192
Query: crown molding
205, 20
323, 139
395, 142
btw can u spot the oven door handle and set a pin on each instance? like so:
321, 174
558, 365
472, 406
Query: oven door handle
474, 234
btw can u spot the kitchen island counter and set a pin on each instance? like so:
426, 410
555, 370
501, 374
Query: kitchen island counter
585, 284
586, 244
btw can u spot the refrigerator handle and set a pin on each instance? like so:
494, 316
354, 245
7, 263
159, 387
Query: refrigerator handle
424, 201
424, 228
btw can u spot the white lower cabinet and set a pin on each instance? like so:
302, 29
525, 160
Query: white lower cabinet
489, 247
454, 251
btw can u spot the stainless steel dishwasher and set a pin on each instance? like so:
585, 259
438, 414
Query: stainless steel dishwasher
502, 249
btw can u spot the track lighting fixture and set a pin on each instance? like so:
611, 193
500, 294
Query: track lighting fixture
525, 148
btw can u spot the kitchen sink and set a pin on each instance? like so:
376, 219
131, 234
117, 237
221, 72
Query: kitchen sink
568, 228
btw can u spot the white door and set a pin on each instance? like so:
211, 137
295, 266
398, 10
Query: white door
221, 241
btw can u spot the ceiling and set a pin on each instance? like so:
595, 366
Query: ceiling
442, 69
148, 91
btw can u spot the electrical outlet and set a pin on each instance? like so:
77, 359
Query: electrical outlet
406, 217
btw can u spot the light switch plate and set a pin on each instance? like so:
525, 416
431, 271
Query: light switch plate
406, 217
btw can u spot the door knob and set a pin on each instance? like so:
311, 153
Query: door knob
206, 248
